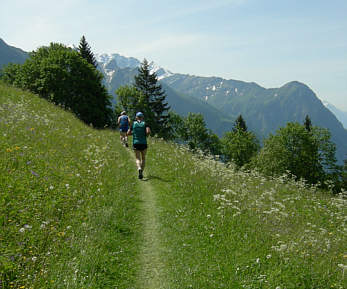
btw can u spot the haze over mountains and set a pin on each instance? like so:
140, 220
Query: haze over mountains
221, 100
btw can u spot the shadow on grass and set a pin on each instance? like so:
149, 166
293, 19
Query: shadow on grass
151, 177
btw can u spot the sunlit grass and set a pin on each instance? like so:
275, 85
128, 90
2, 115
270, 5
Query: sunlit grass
229, 229
68, 205
71, 213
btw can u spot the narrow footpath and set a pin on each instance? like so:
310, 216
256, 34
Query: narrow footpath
152, 274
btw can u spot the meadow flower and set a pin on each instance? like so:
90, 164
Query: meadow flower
22, 230
33, 173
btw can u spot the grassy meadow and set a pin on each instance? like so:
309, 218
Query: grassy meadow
69, 213
72, 213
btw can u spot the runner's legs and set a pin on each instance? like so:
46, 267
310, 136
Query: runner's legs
140, 159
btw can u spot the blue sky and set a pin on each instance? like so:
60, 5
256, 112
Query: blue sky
264, 41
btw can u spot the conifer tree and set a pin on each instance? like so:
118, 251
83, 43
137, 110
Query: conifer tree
240, 124
308, 123
86, 52
154, 106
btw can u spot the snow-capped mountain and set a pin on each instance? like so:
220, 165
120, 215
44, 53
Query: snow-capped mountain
110, 63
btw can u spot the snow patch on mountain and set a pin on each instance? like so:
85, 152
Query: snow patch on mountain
159, 71
115, 59
109, 63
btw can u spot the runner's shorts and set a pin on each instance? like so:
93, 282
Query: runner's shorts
139, 146
123, 129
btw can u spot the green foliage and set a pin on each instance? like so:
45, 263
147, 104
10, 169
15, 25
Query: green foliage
240, 124
308, 123
197, 136
154, 106
344, 176
305, 154
239, 146
130, 100
11, 74
60, 75
175, 127
86, 52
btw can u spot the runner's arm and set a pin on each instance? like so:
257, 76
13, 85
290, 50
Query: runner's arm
130, 131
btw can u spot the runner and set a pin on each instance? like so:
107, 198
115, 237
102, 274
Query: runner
140, 130
124, 124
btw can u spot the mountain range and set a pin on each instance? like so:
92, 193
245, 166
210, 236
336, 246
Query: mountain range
220, 100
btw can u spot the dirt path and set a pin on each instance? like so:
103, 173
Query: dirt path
152, 274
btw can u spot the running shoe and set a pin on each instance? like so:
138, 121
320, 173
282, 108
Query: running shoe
140, 174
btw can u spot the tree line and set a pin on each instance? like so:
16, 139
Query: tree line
69, 78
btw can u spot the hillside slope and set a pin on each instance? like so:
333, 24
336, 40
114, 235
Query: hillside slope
264, 110
10, 54
74, 215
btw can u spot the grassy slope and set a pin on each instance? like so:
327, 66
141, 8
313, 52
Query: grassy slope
73, 215
69, 213
223, 229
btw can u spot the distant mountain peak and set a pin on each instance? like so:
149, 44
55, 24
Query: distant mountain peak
159, 71
109, 63
116, 60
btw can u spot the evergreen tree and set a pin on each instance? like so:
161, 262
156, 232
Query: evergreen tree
344, 176
240, 124
154, 106
86, 52
308, 123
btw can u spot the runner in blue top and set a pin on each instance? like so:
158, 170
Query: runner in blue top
124, 123
140, 130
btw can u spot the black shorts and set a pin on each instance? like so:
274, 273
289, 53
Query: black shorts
139, 146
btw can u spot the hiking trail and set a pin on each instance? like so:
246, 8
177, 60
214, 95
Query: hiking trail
151, 275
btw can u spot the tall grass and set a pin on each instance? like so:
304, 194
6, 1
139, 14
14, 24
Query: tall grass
227, 229
69, 213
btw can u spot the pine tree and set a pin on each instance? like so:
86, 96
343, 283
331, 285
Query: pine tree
86, 52
154, 106
308, 123
240, 124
